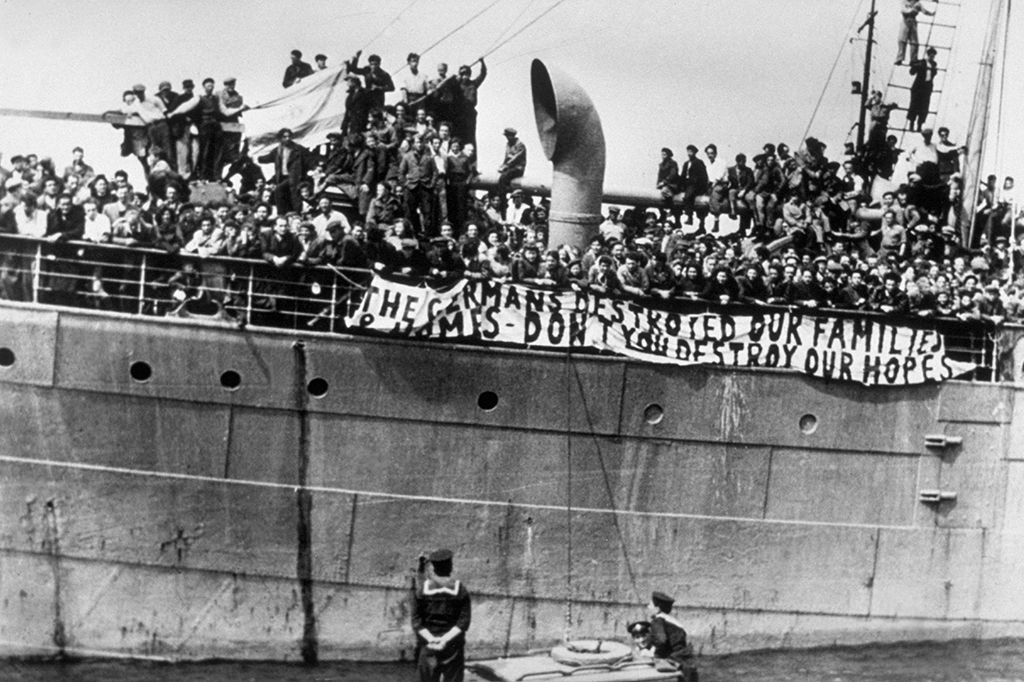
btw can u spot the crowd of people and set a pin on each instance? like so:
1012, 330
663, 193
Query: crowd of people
792, 228
790, 250
192, 136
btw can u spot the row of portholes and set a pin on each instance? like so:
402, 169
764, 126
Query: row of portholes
230, 380
318, 387
655, 413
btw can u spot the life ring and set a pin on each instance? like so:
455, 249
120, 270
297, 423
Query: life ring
590, 652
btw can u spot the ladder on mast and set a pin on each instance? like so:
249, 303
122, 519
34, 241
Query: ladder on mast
941, 35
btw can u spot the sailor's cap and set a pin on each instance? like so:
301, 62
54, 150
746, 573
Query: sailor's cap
438, 555
662, 600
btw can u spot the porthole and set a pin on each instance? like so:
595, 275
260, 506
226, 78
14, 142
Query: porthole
141, 371
231, 380
6, 357
808, 423
318, 387
653, 414
487, 401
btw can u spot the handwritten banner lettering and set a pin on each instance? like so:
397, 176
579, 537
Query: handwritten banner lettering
865, 350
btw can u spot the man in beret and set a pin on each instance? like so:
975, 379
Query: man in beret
440, 619
667, 636
321, 62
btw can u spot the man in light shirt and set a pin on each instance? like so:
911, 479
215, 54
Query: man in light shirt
97, 225
327, 214
152, 113
30, 218
414, 87
924, 158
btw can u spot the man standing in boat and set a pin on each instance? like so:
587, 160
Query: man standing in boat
440, 618
668, 638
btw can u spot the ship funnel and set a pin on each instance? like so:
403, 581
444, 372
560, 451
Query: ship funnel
572, 138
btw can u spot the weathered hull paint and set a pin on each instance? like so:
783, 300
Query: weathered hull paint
180, 520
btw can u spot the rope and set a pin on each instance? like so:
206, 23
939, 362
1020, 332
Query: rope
379, 497
451, 33
607, 482
390, 24
510, 24
835, 63
531, 23
568, 503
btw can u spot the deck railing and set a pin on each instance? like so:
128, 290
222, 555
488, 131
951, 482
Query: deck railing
151, 282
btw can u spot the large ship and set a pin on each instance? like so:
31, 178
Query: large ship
196, 485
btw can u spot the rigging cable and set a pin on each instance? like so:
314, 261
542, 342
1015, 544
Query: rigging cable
510, 25
451, 33
528, 25
390, 24
998, 166
568, 500
831, 73
607, 484
951, 60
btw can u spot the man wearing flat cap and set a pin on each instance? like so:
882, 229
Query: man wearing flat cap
440, 619
514, 166
667, 636
231, 140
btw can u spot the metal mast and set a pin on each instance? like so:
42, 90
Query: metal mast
866, 88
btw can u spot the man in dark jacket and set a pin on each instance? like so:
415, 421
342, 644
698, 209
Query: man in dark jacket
358, 103
924, 72
291, 163
694, 180
418, 174
440, 619
297, 70
668, 638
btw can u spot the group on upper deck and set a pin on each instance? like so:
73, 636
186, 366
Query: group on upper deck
791, 228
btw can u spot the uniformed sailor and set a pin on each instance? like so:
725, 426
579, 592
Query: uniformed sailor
640, 632
668, 638
440, 619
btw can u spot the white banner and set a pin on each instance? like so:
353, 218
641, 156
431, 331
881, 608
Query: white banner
312, 108
862, 349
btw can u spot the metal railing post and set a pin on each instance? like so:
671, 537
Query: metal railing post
142, 285
248, 298
37, 266
334, 299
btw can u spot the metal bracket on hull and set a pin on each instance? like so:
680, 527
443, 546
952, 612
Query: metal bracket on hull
936, 496
940, 440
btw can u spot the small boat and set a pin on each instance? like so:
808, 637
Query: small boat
579, 660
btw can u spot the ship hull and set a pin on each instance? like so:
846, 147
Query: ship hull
176, 518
